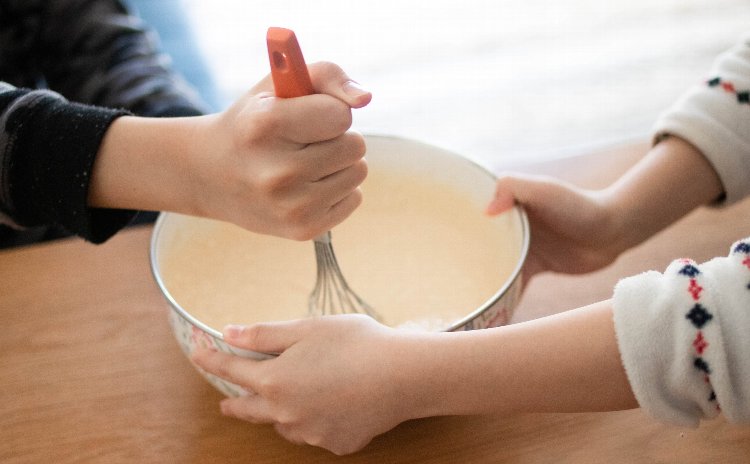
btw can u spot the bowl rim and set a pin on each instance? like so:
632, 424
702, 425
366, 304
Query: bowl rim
510, 281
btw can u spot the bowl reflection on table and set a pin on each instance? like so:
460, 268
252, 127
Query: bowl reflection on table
418, 249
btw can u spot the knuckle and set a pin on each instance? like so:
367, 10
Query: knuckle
255, 335
246, 416
222, 370
344, 117
359, 142
342, 449
357, 198
204, 358
345, 208
270, 388
322, 439
297, 216
263, 123
351, 203
338, 115
277, 181
315, 439
287, 419
354, 144
326, 70
301, 236
289, 434
360, 170
303, 233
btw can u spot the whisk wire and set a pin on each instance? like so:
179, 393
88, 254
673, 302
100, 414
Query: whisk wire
332, 294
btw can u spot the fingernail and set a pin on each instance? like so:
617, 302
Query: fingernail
354, 89
499, 204
233, 331
491, 209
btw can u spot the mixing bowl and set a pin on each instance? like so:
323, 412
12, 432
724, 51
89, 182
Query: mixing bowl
419, 243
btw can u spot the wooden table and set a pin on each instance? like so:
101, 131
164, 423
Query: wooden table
89, 371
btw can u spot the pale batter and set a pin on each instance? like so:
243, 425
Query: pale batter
421, 252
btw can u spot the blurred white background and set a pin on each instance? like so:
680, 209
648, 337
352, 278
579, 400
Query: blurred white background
500, 81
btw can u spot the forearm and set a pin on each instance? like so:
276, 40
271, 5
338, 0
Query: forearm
568, 362
670, 181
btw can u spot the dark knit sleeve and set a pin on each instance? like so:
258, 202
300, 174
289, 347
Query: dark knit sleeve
47, 151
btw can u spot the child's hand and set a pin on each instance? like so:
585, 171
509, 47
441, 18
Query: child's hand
335, 383
576, 231
287, 167
571, 228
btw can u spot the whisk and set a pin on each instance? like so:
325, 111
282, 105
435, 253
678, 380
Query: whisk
331, 294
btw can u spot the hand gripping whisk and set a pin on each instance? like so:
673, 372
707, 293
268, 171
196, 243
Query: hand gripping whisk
331, 295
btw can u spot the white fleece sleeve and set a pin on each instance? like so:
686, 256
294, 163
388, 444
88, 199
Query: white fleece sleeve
715, 118
684, 338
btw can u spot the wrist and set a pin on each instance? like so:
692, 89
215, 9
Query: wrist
439, 374
671, 180
419, 374
616, 227
148, 164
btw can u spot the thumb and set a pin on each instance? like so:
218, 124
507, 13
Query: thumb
508, 189
516, 188
267, 337
330, 79
502, 201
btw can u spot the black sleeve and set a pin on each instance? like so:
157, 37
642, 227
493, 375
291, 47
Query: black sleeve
47, 151
95, 52
101, 62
